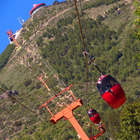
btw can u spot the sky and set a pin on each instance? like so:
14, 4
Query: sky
10, 11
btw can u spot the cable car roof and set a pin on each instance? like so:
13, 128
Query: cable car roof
101, 78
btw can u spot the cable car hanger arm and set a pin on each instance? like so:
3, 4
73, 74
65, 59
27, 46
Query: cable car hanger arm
92, 60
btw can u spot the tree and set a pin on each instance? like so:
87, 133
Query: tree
4, 57
130, 122
137, 21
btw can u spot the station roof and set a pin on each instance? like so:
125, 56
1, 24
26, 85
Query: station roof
36, 6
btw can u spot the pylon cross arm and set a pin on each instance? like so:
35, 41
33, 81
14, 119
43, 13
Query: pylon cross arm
66, 110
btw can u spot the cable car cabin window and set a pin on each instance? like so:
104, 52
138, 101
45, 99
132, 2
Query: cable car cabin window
106, 83
90, 115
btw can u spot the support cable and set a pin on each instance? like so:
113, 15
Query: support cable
83, 42
24, 106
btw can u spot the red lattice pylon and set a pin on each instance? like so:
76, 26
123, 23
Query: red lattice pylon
67, 112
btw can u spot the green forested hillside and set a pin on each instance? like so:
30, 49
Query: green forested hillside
111, 38
4, 57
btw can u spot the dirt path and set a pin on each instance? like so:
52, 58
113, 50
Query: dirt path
100, 10
57, 15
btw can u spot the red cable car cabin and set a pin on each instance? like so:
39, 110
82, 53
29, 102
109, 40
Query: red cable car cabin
111, 91
94, 116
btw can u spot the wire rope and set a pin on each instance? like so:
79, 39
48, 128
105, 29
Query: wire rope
84, 46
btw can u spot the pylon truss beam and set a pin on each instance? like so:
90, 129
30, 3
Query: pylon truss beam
64, 113
40, 78
64, 90
67, 113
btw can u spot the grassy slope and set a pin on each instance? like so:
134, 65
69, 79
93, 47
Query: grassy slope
125, 66
30, 127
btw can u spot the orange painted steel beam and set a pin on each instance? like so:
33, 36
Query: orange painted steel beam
64, 90
49, 110
62, 113
43, 82
71, 93
67, 113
